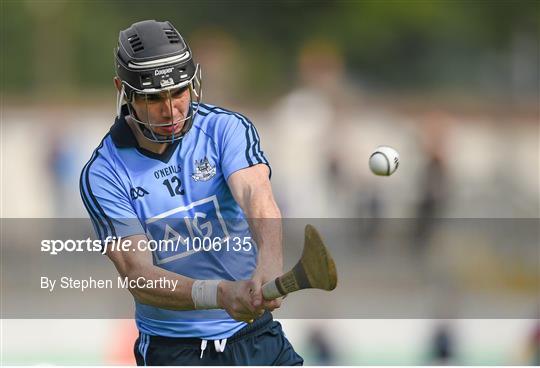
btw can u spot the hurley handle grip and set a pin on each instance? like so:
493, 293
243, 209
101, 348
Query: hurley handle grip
270, 290
284, 284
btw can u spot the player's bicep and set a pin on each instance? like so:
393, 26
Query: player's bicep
130, 255
252, 190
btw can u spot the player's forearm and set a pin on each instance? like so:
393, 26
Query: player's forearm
268, 236
170, 291
266, 228
252, 190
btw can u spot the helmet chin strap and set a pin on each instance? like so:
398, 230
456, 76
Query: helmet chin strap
120, 100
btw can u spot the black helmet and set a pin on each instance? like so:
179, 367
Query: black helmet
152, 57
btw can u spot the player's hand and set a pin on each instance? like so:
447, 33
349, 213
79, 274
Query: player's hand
235, 298
260, 277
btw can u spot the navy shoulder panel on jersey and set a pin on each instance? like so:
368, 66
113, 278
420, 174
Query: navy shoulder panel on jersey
100, 219
105, 196
235, 128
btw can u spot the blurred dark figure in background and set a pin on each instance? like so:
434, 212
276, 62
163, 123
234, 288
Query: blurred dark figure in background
323, 351
62, 166
430, 203
433, 195
534, 346
442, 346
370, 203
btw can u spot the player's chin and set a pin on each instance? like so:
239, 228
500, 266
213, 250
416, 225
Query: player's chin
169, 130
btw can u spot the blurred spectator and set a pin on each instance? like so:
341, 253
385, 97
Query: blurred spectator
218, 53
369, 201
306, 123
303, 119
63, 166
442, 346
433, 183
534, 346
323, 351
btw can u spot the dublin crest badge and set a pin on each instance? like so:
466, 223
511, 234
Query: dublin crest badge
204, 171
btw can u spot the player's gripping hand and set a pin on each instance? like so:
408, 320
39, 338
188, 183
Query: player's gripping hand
260, 277
235, 298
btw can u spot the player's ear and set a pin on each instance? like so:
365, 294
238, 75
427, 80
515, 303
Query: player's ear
117, 83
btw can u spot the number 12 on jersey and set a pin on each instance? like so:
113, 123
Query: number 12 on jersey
174, 186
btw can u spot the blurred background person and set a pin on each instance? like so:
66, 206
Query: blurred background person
304, 123
533, 346
433, 183
442, 348
322, 349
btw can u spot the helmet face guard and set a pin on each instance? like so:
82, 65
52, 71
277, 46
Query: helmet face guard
127, 94
154, 64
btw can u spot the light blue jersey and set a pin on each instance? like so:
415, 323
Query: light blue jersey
180, 195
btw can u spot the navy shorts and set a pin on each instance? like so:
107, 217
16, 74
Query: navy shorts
259, 343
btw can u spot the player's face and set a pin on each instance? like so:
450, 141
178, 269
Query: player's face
167, 110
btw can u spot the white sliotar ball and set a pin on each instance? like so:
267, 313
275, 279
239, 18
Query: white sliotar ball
384, 161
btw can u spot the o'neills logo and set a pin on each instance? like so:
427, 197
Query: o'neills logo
163, 71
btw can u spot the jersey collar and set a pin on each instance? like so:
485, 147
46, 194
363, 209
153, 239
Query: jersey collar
121, 133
